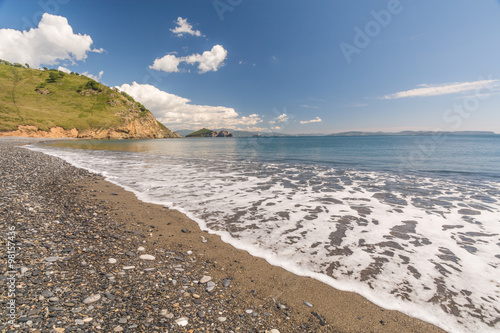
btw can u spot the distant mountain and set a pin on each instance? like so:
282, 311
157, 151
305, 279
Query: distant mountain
206, 133
411, 133
184, 132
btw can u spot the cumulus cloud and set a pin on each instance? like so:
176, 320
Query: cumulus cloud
51, 42
94, 77
280, 119
64, 69
177, 111
183, 27
426, 90
315, 120
207, 61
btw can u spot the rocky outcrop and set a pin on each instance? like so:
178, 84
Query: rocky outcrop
139, 128
223, 134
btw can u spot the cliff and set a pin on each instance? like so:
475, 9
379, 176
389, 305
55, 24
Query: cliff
53, 104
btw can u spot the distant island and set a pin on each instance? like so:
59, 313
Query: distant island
206, 133
52, 103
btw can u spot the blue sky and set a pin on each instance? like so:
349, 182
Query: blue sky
288, 66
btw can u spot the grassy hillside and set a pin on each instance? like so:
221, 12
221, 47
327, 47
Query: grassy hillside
200, 133
50, 98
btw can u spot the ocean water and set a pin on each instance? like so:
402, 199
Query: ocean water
410, 223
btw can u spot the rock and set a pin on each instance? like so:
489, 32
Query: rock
52, 259
92, 299
128, 267
141, 249
226, 283
47, 293
249, 311
210, 286
205, 279
79, 322
222, 319
308, 304
201, 313
182, 321
130, 253
24, 270
146, 257
112, 261
122, 320
203, 239
118, 329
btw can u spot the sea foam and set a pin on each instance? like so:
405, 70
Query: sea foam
426, 246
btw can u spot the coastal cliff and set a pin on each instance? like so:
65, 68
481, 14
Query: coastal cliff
53, 104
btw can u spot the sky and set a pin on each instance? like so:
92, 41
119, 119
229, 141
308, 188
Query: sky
284, 66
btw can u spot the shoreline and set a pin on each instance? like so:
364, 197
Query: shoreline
167, 234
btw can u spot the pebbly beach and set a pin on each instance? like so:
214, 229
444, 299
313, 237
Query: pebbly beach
80, 254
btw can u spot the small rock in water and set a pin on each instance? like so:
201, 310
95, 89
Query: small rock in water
146, 257
92, 299
205, 279
308, 304
112, 260
182, 321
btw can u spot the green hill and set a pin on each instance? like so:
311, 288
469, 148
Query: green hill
204, 132
36, 102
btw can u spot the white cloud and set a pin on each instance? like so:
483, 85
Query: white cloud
176, 111
207, 61
64, 69
315, 120
309, 106
94, 77
52, 41
280, 119
183, 27
275, 128
168, 63
443, 89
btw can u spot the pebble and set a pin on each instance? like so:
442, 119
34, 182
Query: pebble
128, 267
308, 304
210, 286
226, 283
47, 293
118, 329
201, 313
182, 321
79, 322
52, 259
141, 249
92, 299
122, 320
249, 311
205, 279
146, 257
112, 261
222, 319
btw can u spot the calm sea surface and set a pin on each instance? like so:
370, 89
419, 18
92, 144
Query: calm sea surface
410, 222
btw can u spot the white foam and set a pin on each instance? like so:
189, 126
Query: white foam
213, 192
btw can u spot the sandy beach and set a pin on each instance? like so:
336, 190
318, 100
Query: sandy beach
91, 257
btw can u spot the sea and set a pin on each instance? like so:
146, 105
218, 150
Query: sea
412, 223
